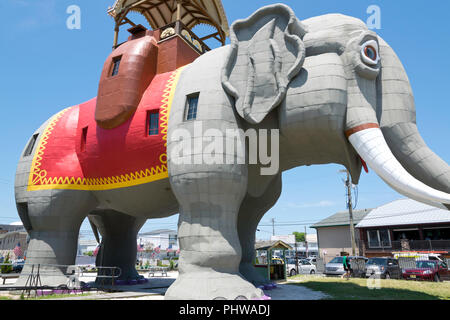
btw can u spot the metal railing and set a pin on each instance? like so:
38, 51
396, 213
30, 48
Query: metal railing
105, 278
399, 245
178, 28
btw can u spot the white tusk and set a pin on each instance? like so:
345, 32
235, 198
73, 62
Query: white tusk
431, 203
372, 147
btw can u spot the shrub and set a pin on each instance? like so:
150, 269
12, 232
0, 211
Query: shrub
8, 268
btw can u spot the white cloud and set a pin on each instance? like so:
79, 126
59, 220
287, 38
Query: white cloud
35, 14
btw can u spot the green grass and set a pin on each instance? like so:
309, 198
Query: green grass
358, 289
56, 296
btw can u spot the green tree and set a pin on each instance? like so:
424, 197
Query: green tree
299, 236
6, 268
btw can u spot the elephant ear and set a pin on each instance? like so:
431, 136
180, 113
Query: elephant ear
266, 53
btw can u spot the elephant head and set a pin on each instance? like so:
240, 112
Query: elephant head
340, 95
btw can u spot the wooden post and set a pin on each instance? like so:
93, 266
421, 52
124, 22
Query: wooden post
178, 10
178, 27
116, 35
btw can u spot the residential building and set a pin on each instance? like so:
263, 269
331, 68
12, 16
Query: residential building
404, 225
333, 234
86, 245
4, 228
162, 238
9, 241
289, 239
302, 249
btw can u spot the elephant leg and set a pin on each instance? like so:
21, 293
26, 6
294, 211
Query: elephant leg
52, 219
250, 214
118, 246
209, 242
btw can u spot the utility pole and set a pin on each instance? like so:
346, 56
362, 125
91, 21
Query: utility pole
306, 244
273, 226
350, 211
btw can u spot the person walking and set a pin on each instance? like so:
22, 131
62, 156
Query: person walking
346, 264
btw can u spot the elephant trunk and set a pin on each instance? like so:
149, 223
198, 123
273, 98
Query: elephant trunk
397, 120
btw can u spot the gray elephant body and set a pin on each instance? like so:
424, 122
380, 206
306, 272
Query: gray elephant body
318, 98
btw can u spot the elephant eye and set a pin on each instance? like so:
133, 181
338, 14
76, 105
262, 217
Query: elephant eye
369, 52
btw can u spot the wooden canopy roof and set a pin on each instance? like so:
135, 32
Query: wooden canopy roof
160, 13
272, 244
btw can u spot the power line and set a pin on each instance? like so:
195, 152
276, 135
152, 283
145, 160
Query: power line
303, 222
306, 222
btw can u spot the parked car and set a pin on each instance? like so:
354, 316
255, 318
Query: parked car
17, 265
384, 267
336, 267
312, 259
291, 267
429, 270
304, 267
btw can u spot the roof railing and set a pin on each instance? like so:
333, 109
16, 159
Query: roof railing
177, 28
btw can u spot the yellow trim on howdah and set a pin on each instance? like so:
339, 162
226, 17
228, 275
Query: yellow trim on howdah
38, 178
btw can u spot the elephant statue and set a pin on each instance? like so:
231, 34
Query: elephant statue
328, 89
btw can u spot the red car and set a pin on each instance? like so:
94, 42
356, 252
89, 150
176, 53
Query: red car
431, 270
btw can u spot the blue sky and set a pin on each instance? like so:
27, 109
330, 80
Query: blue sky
47, 67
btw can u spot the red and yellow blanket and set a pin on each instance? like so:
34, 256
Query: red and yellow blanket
74, 153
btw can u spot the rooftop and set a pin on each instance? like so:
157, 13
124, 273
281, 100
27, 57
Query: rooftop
13, 234
11, 227
88, 242
265, 245
342, 219
159, 231
160, 13
404, 212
